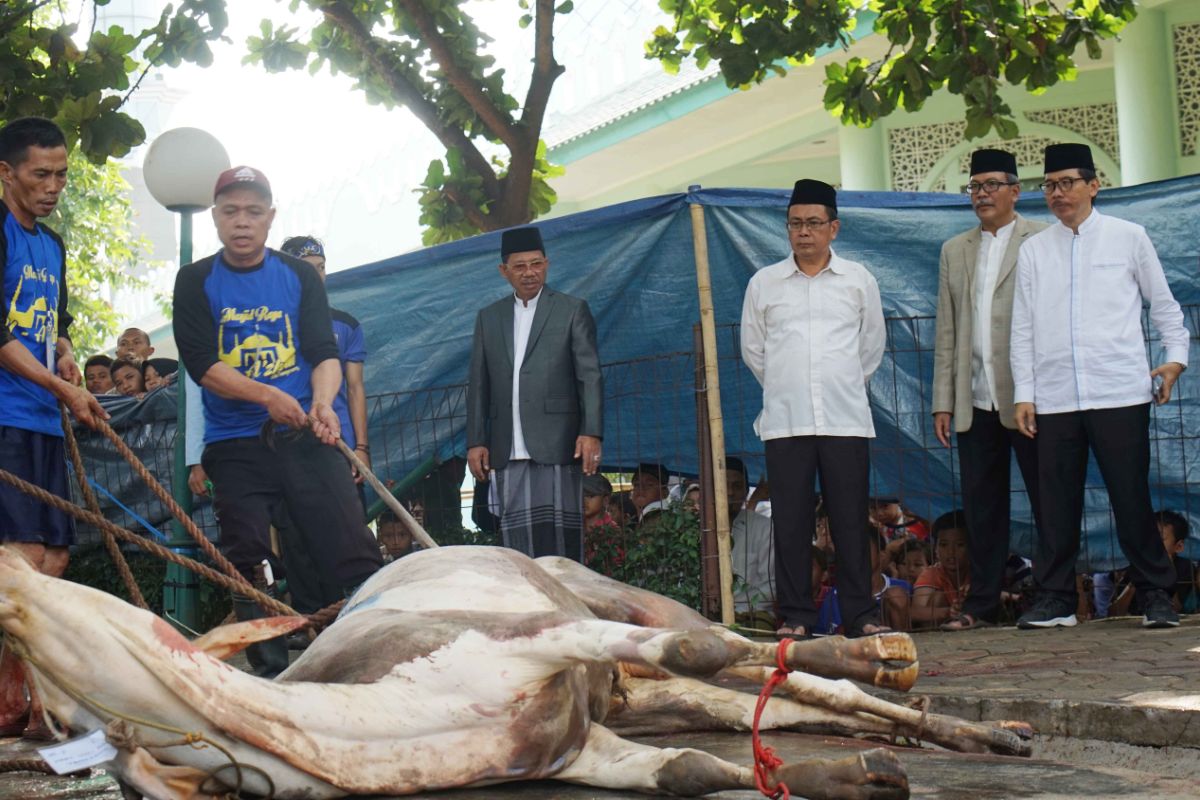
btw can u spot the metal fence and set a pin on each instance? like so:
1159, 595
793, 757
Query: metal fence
416, 439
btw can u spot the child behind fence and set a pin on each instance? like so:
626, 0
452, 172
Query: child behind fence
941, 588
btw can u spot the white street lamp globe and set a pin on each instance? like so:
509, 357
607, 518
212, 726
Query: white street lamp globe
181, 168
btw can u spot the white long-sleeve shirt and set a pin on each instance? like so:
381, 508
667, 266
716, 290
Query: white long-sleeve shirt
813, 344
992, 248
522, 323
1077, 340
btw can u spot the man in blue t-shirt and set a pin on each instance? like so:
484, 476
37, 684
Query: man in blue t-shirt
37, 370
351, 401
351, 407
253, 327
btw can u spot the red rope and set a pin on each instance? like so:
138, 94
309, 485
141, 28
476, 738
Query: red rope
765, 760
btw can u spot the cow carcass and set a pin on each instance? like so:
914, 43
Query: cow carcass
453, 667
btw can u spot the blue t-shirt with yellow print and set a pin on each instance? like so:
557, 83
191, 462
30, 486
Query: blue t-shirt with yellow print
269, 322
35, 315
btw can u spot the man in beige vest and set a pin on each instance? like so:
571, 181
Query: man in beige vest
972, 378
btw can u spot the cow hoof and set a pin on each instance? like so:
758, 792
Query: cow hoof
887, 660
884, 776
893, 646
1011, 738
895, 655
1021, 729
871, 775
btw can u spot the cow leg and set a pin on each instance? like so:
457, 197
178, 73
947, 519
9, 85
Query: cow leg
609, 762
646, 707
887, 660
843, 697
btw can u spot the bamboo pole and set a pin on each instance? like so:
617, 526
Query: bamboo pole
387, 497
716, 422
710, 561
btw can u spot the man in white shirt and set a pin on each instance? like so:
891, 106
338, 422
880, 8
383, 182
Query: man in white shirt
535, 403
1081, 379
972, 380
812, 334
751, 548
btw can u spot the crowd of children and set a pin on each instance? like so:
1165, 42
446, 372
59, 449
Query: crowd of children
922, 573
134, 372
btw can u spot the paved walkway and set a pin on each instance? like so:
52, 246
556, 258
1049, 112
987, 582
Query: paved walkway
1108, 679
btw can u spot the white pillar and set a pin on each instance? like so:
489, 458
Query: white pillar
1146, 119
863, 157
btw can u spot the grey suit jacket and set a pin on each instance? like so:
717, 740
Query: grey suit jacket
955, 325
561, 387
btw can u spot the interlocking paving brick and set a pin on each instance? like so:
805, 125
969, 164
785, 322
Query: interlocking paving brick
1107, 679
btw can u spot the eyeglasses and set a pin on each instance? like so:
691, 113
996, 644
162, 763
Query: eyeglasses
988, 187
1066, 184
807, 224
522, 266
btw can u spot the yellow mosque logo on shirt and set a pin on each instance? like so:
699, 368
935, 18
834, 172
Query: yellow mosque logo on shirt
37, 320
266, 354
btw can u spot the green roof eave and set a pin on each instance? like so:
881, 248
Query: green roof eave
672, 107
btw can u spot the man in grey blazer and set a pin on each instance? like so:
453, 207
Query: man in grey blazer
535, 403
972, 378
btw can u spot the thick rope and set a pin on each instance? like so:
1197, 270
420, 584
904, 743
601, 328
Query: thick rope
241, 586
89, 499
765, 760
163, 495
324, 618
26, 765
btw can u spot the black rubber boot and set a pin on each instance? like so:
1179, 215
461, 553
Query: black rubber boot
268, 658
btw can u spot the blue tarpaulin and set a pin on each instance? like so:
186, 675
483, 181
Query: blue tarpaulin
634, 264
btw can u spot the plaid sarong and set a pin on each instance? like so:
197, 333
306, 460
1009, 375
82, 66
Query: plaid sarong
541, 508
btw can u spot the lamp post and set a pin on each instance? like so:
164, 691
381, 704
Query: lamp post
181, 168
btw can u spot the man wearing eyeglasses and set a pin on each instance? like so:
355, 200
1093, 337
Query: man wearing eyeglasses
1082, 380
812, 334
972, 379
534, 403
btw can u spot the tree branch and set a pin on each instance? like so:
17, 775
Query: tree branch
519, 178
459, 78
14, 18
545, 71
410, 95
476, 217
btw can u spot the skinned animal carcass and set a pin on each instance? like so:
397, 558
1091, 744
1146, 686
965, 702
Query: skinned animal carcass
455, 667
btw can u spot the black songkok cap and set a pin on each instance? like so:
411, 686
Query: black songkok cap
816, 193
990, 160
1069, 156
520, 240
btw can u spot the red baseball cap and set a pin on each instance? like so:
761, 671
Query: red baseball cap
248, 177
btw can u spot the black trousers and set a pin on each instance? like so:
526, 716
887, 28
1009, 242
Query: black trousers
985, 458
308, 591
1120, 440
793, 466
314, 482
